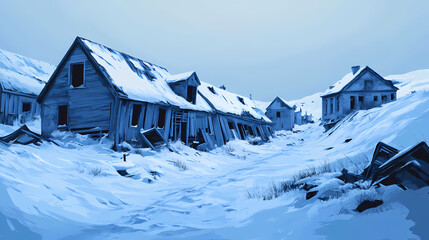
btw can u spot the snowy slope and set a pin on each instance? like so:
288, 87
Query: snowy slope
73, 190
23, 74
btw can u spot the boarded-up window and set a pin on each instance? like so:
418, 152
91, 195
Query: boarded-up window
26, 107
77, 74
161, 118
369, 84
137, 109
278, 114
191, 94
62, 115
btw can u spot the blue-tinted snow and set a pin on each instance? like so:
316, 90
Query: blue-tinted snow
23, 74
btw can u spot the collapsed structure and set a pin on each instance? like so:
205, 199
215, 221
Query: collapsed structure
408, 168
21, 80
363, 88
96, 90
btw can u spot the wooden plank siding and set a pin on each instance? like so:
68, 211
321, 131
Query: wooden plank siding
89, 106
11, 105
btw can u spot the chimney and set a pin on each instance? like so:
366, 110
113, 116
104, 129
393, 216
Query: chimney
251, 96
222, 87
355, 69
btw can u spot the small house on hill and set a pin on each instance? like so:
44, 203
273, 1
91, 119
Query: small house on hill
281, 114
363, 88
96, 89
21, 80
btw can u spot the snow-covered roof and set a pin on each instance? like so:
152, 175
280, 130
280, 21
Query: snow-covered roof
338, 86
228, 102
139, 80
23, 74
179, 77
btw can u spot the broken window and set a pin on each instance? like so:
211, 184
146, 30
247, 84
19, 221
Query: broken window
76, 74
375, 98
191, 94
161, 118
26, 107
392, 96
278, 114
352, 102
137, 109
241, 100
62, 115
212, 90
384, 98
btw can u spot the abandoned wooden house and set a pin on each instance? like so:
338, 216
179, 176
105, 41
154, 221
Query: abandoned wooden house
21, 80
238, 116
96, 90
361, 89
281, 114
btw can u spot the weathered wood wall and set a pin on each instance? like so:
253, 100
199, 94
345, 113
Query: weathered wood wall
89, 106
11, 107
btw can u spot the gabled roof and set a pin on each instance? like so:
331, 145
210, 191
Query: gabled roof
130, 77
22, 74
282, 102
350, 78
182, 77
228, 102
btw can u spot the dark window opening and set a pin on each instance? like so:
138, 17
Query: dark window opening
184, 132
191, 94
26, 107
360, 98
331, 105
77, 74
326, 106
392, 96
375, 98
231, 125
137, 109
161, 118
258, 133
278, 114
352, 102
384, 98
62, 115
212, 90
241, 130
208, 127
241, 100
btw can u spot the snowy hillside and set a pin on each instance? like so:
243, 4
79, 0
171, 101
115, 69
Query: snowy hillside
73, 190
23, 74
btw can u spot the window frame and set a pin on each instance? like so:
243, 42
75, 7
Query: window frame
132, 115
70, 78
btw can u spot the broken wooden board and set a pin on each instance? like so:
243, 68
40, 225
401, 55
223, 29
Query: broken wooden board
154, 139
24, 136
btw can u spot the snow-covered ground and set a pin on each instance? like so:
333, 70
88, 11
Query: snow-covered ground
73, 191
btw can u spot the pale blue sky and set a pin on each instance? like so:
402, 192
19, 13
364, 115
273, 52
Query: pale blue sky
267, 48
